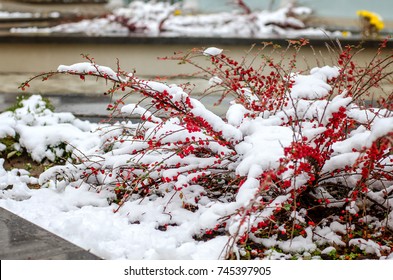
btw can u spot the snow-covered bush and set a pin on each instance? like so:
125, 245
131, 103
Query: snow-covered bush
154, 18
31, 126
299, 168
162, 18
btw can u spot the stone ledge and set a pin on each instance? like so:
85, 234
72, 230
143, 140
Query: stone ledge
53, 38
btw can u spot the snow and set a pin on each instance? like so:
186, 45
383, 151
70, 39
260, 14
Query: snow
229, 132
235, 114
336, 162
299, 243
77, 213
380, 128
5, 15
54, 133
369, 246
100, 26
215, 81
315, 85
131, 109
13, 183
262, 146
212, 51
90, 68
86, 219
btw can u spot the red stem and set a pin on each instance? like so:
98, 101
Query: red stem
244, 6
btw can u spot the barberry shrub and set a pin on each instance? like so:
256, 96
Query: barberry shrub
300, 167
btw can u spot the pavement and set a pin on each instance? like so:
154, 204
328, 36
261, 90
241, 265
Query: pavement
22, 240
86, 99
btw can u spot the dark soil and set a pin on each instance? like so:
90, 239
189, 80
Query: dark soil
25, 162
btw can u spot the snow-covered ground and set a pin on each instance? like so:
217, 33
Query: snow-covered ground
83, 216
77, 200
163, 19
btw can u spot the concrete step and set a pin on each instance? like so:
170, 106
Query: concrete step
93, 107
23, 240
86, 98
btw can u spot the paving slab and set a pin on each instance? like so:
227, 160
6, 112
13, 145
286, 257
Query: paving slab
23, 240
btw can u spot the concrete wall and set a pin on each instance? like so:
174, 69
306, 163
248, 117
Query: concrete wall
20, 61
37, 58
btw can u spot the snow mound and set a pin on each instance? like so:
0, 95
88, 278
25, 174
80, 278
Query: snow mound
43, 133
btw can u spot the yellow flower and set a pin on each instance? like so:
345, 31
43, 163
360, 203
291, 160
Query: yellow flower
373, 18
345, 33
177, 12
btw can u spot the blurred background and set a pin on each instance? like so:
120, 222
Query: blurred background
332, 12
